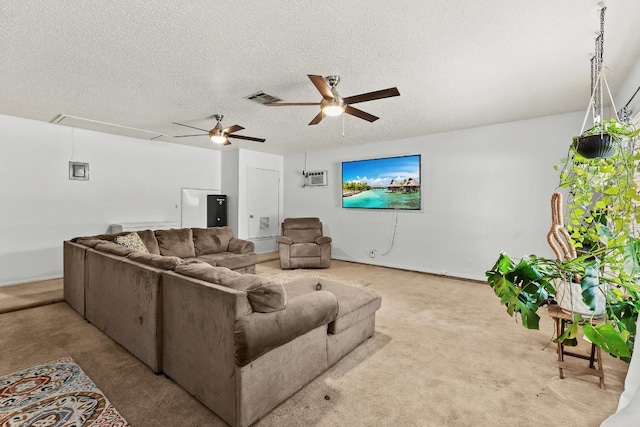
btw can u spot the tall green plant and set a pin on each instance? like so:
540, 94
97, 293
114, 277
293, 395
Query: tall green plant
601, 211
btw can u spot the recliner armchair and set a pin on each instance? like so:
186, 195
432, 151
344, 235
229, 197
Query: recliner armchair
302, 244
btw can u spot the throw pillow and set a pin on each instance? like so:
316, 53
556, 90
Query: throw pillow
132, 241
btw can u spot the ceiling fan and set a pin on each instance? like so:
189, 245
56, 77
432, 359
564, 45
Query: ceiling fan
332, 104
218, 134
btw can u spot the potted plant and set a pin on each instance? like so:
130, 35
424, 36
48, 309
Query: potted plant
601, 212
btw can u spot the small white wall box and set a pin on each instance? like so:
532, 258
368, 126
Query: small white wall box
316, 178
79, 171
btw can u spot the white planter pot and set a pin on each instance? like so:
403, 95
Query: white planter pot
569, 298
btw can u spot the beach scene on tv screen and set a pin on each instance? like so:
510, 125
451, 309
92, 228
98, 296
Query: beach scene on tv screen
387, 183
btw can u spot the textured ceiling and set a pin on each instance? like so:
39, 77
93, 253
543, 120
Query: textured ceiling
457, 64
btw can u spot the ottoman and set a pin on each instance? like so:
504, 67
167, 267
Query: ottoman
356, 319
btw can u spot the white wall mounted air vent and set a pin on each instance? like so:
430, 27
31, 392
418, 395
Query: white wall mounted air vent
315, 178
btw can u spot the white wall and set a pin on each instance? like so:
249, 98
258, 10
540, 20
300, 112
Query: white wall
130, 180
484, 190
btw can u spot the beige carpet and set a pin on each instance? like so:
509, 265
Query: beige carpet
445, 354
18, 297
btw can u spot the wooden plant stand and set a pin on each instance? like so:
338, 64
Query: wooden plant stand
561, 319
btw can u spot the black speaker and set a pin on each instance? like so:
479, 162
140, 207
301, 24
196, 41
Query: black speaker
216, 210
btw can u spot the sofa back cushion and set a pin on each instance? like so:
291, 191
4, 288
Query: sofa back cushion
176, 242
88, 241
148, 237
157, 261
107, 237
113, 248
211, 240
263, 295
302, 230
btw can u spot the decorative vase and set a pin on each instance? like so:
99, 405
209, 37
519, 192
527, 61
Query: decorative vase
569, 298
595, 146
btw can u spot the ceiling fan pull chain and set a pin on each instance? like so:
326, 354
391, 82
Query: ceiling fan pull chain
343, 125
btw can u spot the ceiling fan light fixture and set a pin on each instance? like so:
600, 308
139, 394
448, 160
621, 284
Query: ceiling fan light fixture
218, 139
333, 108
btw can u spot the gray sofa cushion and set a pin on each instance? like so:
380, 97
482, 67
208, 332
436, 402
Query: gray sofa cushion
302, 230
257, 333
355, 303
88, 241
177, 242
300, 250
229, 260
148, 237
263, 295
241, 246
108, 237
113, 248
158, 261
267, 298
211, 240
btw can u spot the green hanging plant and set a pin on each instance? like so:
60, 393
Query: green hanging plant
601, 211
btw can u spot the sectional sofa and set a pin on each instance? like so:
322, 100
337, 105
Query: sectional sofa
236, 341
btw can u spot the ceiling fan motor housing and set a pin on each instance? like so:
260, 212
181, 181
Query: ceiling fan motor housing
333, 80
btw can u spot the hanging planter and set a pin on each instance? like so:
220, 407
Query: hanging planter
594, 146
605, 137
601, 141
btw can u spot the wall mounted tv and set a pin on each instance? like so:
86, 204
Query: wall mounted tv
383, 183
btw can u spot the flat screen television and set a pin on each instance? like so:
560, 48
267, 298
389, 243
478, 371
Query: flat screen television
382, 183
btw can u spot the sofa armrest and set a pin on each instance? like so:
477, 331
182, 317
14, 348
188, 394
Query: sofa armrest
323, 239
257, 333
284, 239
240, 246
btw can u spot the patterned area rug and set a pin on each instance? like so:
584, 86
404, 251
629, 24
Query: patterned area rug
289, 275
55, 394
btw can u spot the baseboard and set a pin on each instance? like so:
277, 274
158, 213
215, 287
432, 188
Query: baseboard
34, 279
421, 270
268, 256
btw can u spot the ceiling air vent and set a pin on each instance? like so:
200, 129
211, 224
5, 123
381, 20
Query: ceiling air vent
263, 98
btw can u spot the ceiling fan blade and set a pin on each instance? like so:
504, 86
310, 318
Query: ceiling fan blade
370, 96
247, 138
317, 118
185, 136
226, 142
232, 129
361, 114
321, 85
192, 127
291, 104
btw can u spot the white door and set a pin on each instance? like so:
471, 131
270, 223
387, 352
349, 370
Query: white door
263, 202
